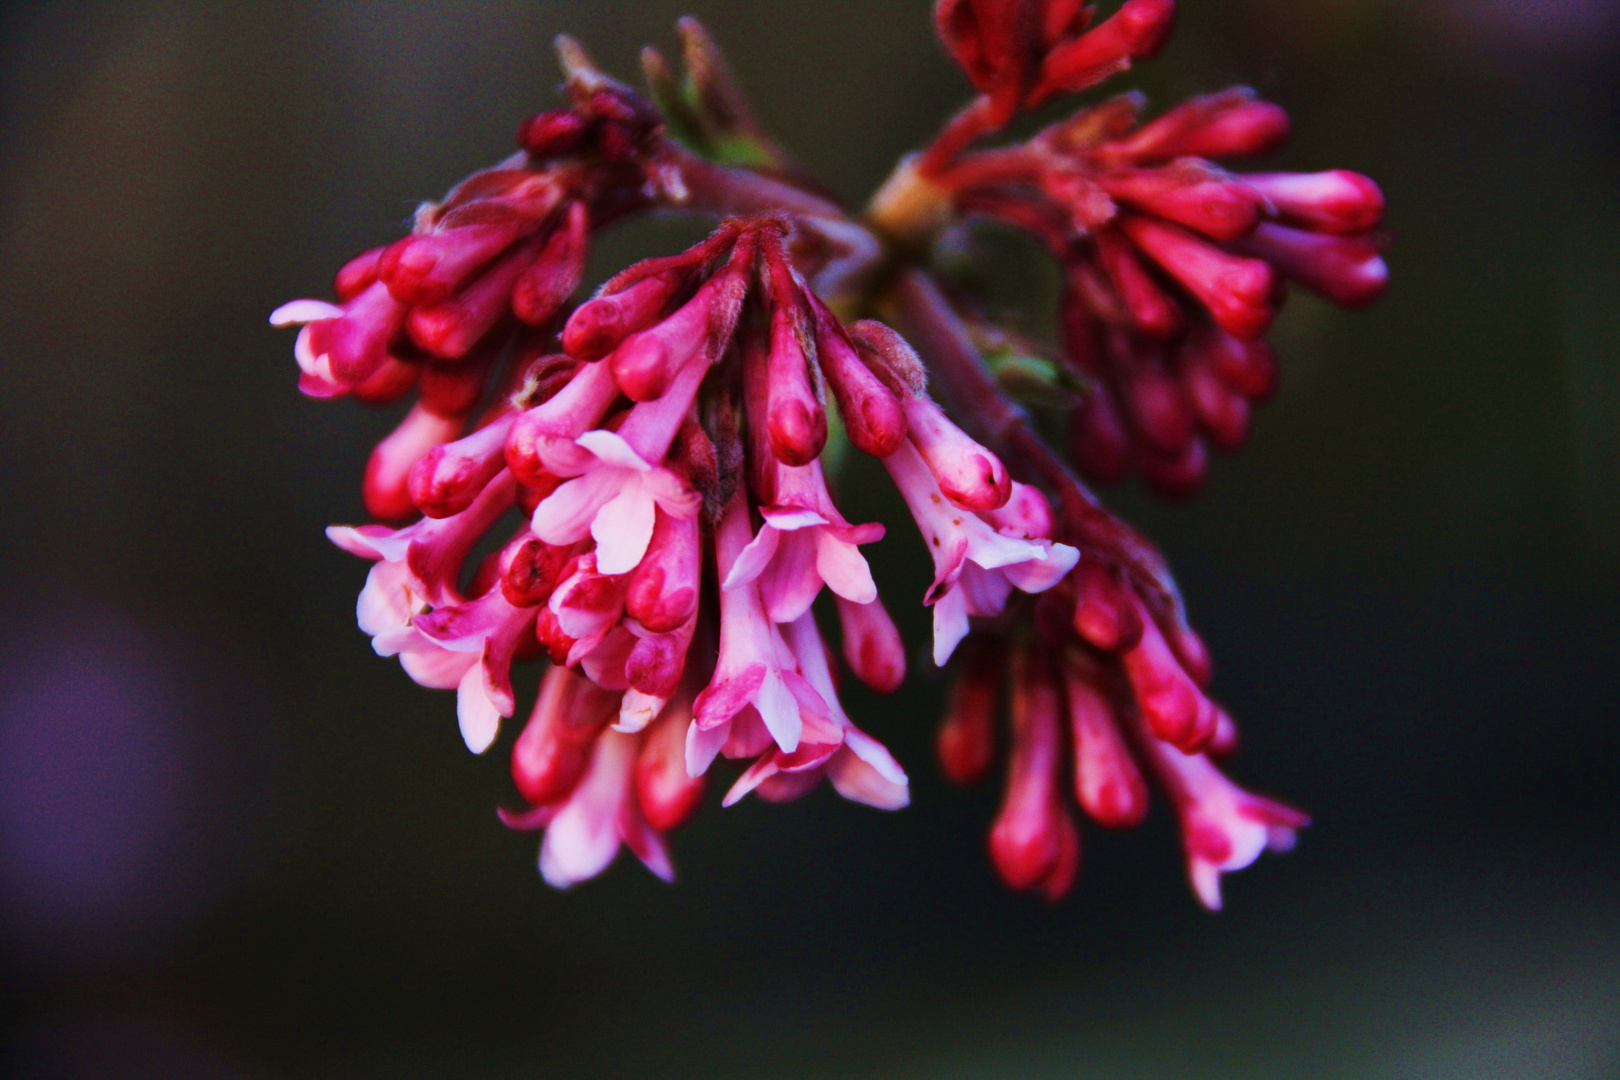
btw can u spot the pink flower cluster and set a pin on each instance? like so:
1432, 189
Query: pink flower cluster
649, 468
1174, 268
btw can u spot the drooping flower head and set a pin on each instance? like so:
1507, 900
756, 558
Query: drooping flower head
653, 471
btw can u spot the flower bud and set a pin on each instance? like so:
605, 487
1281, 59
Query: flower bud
1237, 291
390, 382
1176, 476
1337, 201
873, 416
449, 477
386, 485
541, 290
430, 268
357, 342
1231, 123
1158, 410
1028, 839
1348, 270
663, 588
1137, 30
451, 328
530, 570
550, 755
1098, 441
454, 389
1107, 781
667, 795
970, 476
1203, 199
356, 275
554, 133
646, 361
1150, 309
1104, 613
872, 646
967, 736
1171, 703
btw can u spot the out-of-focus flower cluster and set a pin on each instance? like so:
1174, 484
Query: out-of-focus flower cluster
648, 469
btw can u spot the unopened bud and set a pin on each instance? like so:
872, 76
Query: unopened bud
872, 646
967, 736
1349, 270
1238, 292
554, 133
449, 477
1332, 202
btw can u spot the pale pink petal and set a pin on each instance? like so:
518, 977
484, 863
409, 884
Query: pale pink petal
791, 518
605, 666
584, 836
623, 529
756, 774
1036, 576
565, 516
790, 584
991, 550
437, 669
844, 569
876, 755
404, 639
754, 558
479, 718
637, 710
780, 711
984, 592
372, 541
647, 843
950, 625
611, 449
673, 495
294, 312
858, 780
727, 695
385, 602
703, 745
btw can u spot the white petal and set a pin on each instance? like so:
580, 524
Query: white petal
780, 711
437, 669
790, 519
623, 528
1037, 577
844, 569
384, 604
294, 312
480, 719
950, 624
702, 746
858, 780
637, 710
611, 449
565, 516
753, 559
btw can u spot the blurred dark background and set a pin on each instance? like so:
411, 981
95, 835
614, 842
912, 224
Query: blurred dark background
233, 843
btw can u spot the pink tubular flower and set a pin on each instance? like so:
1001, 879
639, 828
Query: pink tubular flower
804, 543
650, 470
1223, 827
858, 766
756, 680
583, 833
976, 566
